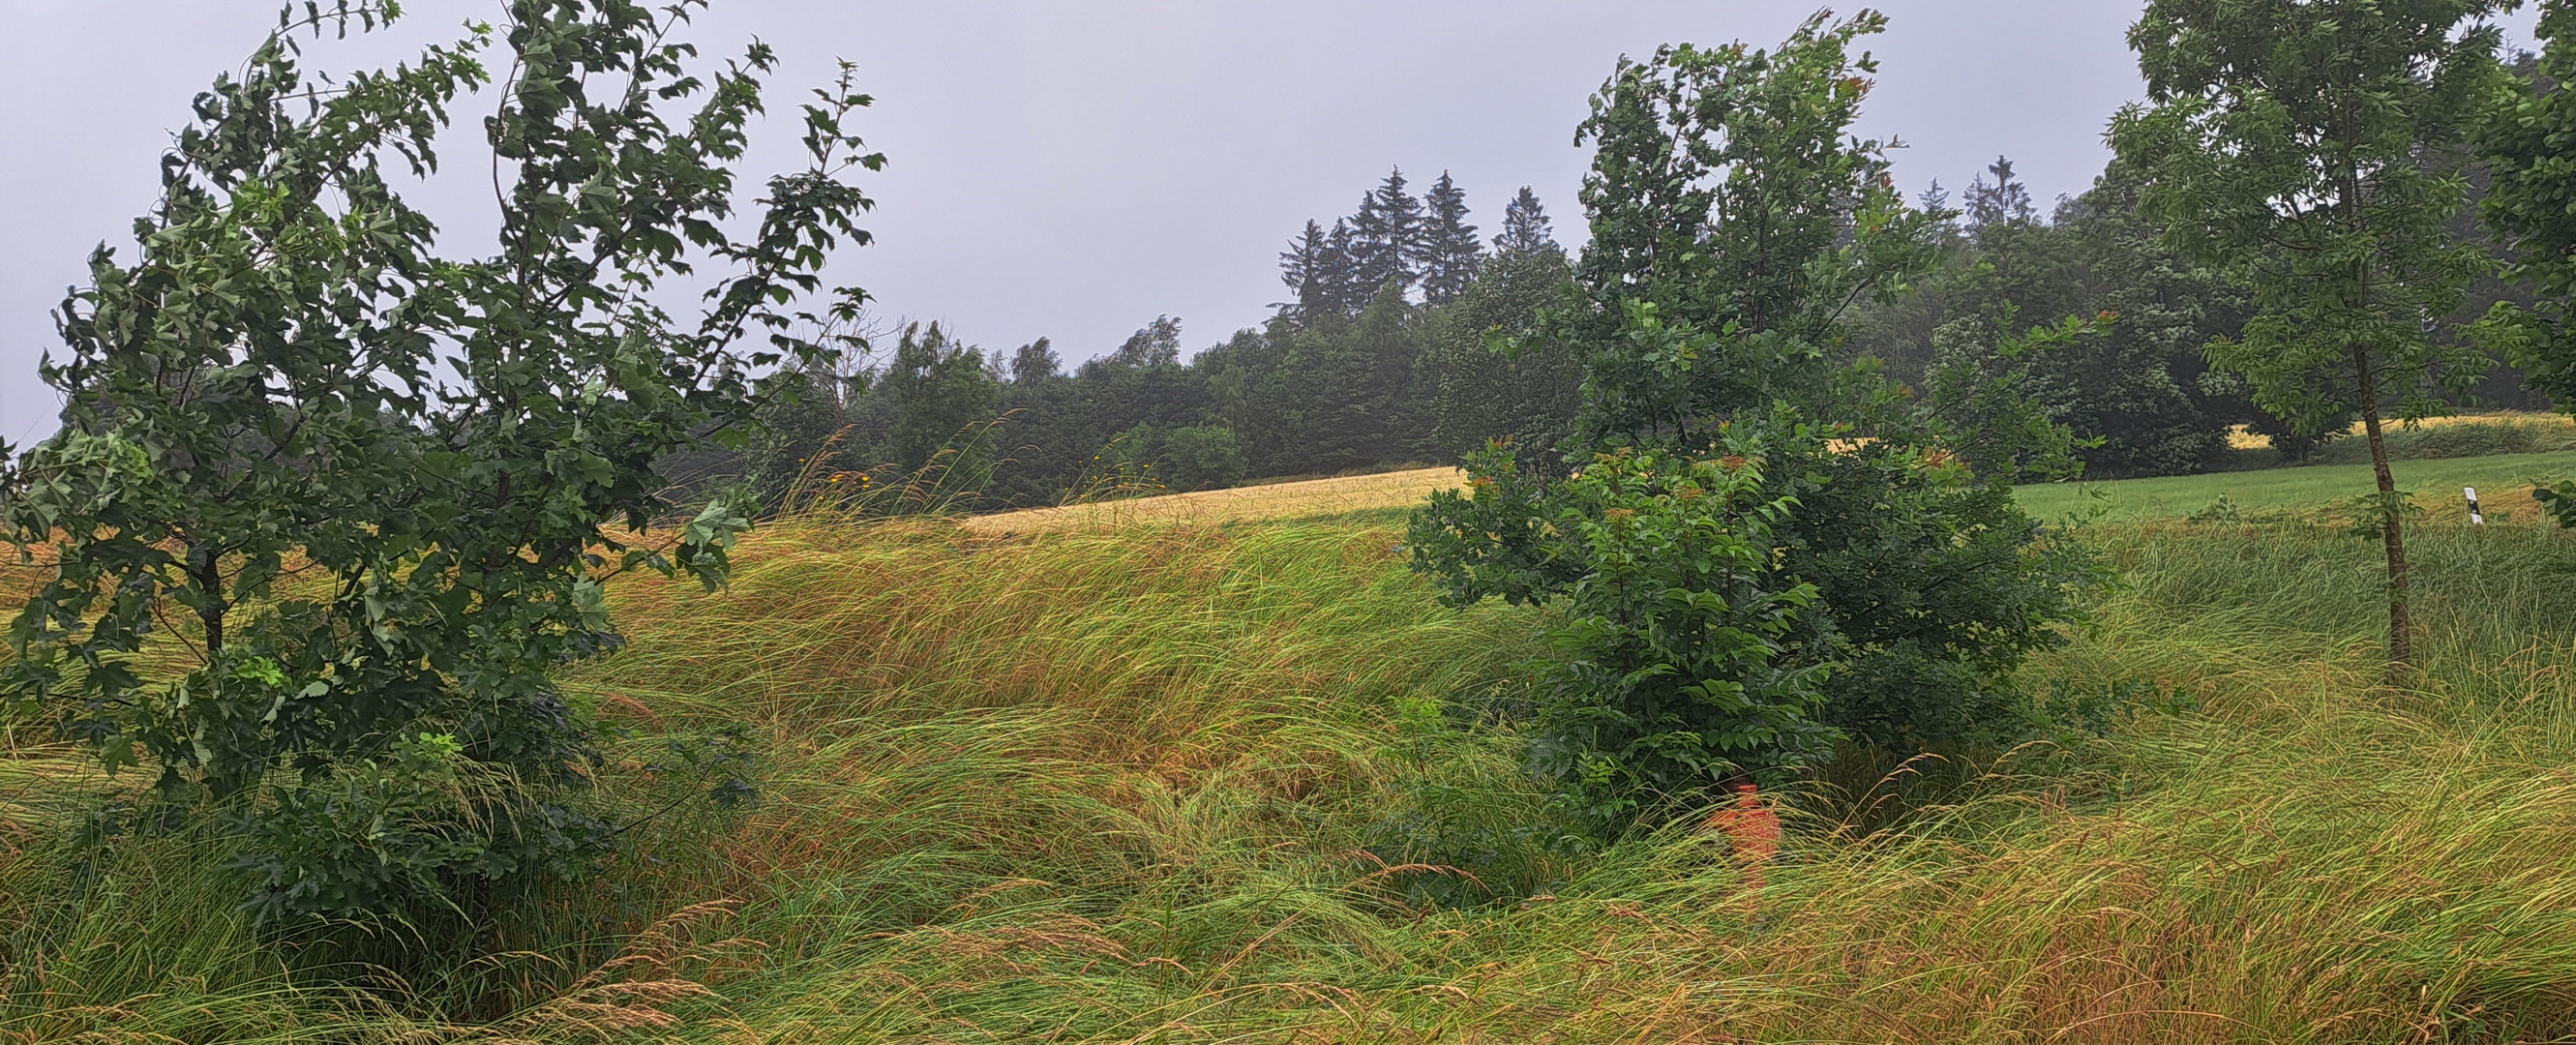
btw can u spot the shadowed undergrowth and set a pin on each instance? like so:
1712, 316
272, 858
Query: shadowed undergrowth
1211, 783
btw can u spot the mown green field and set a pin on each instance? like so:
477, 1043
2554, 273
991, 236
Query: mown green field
1245, 782
2436, 484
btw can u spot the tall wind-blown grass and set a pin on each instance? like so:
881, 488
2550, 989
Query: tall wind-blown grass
1201, 783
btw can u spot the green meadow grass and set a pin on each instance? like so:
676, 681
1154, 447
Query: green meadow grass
2434, 482
1247, 783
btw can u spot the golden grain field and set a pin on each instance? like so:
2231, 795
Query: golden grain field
1302, 499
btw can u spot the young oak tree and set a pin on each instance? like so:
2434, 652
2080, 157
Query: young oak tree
1745, 583
328, 506
2313, 148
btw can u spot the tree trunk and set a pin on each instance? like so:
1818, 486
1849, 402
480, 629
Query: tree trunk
206, 568
2401, 627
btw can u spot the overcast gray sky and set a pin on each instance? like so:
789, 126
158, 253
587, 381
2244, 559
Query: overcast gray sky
1073, 168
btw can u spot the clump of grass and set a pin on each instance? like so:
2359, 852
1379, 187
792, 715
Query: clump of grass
1193, 782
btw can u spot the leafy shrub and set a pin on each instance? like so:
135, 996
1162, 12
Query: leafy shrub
1936, 586
1760, 552
364, 497
1672, 674
1672, 670
2559, 500
1892, 598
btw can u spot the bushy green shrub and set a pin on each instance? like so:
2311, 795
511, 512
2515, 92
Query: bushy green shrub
1759, 551
1673, 671
1933, 587
327, 509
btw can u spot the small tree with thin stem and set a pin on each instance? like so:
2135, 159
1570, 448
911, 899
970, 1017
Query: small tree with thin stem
2314, 148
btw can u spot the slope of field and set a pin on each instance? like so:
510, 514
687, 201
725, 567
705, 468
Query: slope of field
1180, 782
1304, 498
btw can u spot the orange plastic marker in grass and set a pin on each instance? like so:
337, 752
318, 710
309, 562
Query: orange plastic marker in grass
1753, 828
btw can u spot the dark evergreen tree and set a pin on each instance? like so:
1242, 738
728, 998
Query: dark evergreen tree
1934, 201
1245, 391
2003, 200
1385, 238
1525, 227
1344, 393
1450, 250
1345, 287
1316, 269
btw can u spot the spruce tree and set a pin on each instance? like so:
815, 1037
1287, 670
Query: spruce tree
1450, 250
1348, 287
2003, 200
1525, 227
1385, 239
1934, 200
1309, 270
1344, 388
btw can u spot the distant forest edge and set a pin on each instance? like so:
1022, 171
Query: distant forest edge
1412, 339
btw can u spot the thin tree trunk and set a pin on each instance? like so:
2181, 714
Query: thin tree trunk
207, 571
2401, 627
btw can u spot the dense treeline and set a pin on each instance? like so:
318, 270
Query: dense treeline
1386, 355
2135, 388
1404, 342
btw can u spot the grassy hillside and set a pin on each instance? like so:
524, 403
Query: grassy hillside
1245, 782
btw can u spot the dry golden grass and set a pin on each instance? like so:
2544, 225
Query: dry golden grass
1188, 782
1307, 498
1141, 764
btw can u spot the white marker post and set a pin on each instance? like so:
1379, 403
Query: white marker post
2474, 515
